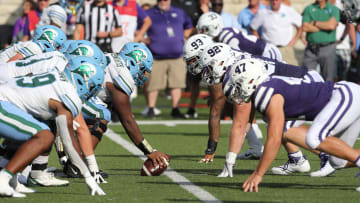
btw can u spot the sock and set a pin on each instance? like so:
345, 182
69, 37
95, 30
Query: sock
295, 156
357, 161
3, 162
231, 157
40, 163
253, 141
6, 175
26, 171
257, 130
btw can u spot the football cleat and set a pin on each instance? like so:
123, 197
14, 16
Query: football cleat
251, 154
71, 171
18, 187
7, 191
301, 166
325, 170
45, 179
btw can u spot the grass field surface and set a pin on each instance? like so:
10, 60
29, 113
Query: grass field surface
186, 144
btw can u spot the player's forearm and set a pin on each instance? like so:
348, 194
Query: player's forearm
84, 136
271, 148
236, 140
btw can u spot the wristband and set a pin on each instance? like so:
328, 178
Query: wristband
211, 147
314, 23
145, 147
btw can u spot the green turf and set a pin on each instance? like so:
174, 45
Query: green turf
186, 145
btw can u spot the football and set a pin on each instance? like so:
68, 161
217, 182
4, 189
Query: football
148, 168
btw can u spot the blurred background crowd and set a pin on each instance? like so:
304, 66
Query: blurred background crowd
164, 25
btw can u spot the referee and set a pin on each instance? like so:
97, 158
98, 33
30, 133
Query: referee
100, 22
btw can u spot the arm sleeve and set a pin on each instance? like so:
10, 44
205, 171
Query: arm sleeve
187, 21
336, 14
26, 27
257, 21
306, 17
141, 14
73, 104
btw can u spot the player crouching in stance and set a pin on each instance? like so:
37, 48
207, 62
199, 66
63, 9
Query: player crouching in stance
49, 96
124, 71
333, 108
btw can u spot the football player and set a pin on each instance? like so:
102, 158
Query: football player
193, 48
22, 99
215, 61
211, 24
46, 38
124, 72
40, 64
331, 106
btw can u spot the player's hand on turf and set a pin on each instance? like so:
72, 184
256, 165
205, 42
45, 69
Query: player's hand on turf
158, 158
227, 170
252, 182
98, 177
208, 158
93, 187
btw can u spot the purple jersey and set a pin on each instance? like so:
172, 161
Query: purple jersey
275, 67
303, 99
240, 40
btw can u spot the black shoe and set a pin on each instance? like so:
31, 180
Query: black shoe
175, 113
71, 171
103, 174
191, 113
150, 114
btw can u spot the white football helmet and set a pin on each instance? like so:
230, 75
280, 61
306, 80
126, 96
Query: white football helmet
242, 79
215, 60
210, 23
192, 50
352, 9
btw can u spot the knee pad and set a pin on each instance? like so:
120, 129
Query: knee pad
337, 163
96, 126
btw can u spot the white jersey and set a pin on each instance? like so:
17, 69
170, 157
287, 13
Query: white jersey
119, 75
32, 94
27, 48
33, 65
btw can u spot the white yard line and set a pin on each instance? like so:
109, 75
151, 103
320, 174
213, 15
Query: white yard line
198, 192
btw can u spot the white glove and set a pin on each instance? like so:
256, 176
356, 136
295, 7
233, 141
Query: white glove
98, 178
227, 170
93, 187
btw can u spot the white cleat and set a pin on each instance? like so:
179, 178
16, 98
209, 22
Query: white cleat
18, 187
45, 179
325, 170
301, 166
7, 191
358, 189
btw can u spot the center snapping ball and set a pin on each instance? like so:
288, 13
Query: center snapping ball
148, 168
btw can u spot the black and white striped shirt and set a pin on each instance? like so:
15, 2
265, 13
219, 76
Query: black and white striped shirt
98, 19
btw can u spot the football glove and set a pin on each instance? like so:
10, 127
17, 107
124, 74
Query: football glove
227, 170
